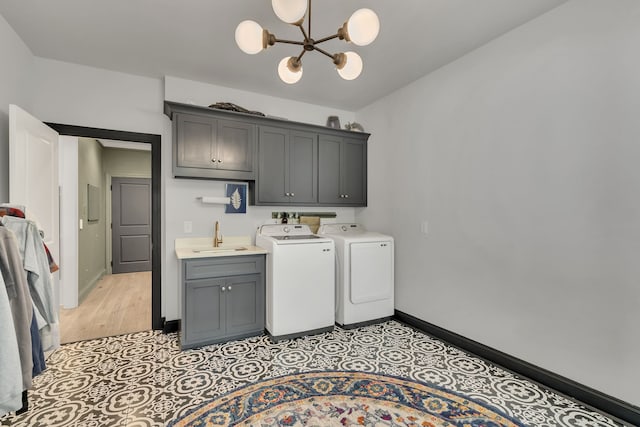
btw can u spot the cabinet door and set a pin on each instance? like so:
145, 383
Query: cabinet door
303, 167
329, 190
273, 156
353, 171
235, 146
244, 304
195, 141
204, 312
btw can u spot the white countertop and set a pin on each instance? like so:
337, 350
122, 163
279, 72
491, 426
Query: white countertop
202, 247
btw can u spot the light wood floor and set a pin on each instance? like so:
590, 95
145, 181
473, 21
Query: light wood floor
119, 304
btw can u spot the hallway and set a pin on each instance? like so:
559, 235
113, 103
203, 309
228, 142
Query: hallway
119, 304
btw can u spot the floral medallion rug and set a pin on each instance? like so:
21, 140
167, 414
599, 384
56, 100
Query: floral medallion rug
344, 399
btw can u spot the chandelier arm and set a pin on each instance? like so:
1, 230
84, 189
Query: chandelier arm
327, 38
289, 42
304, 33
324, 52
301, 55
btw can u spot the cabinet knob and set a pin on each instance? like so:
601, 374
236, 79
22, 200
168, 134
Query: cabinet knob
346, 196
287, 194
219, 160
222, 289
293, 194
229, 288
342, 196
213, 160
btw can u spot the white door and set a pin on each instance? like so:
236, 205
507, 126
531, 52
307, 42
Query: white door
33, 174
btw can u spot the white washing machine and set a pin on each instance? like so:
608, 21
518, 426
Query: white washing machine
300, 277
364, 274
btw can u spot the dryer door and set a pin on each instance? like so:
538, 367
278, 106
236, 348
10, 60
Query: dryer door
371, 271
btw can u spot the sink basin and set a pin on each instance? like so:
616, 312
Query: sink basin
218, 250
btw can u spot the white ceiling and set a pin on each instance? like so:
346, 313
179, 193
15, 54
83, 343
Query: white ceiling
194, 39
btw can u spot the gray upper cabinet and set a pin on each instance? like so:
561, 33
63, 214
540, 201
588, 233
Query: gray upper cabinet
213, 147
286, 163
342, 171
287, 167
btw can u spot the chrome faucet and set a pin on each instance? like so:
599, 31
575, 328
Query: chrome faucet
217, 240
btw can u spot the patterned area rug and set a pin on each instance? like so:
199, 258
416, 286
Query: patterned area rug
344, 399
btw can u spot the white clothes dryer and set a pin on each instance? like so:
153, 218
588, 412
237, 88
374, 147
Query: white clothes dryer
364, 274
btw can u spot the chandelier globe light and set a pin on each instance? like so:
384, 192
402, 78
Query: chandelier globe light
290, 11
361, 29
290, 70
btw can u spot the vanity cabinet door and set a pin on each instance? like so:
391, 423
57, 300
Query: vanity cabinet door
204, 316
244, 304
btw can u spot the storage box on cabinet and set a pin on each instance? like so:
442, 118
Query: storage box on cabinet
222, 299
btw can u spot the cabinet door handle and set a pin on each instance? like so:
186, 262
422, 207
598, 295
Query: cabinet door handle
222, 289
229, 288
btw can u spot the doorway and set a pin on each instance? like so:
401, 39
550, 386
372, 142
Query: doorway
155, 140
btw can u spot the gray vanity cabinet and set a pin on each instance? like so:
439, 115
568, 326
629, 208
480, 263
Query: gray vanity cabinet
287, 167
223, 298
342, 171
213, 147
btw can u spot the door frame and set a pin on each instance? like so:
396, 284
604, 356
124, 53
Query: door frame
157, 322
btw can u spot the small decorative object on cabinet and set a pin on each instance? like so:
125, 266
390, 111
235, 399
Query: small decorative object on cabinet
333, 122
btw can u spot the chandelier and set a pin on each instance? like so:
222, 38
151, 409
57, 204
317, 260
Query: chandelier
360, 29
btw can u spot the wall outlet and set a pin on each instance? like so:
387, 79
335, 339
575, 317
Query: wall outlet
188, 227
424, 228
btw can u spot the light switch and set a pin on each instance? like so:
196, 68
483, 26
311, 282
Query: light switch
188, 227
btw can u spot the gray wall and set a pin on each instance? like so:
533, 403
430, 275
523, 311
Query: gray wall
91, 239
15, 72
126, 163
523, 158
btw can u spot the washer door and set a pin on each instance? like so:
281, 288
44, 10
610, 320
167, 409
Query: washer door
371, 271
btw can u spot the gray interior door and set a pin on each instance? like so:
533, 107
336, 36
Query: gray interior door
131, 224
